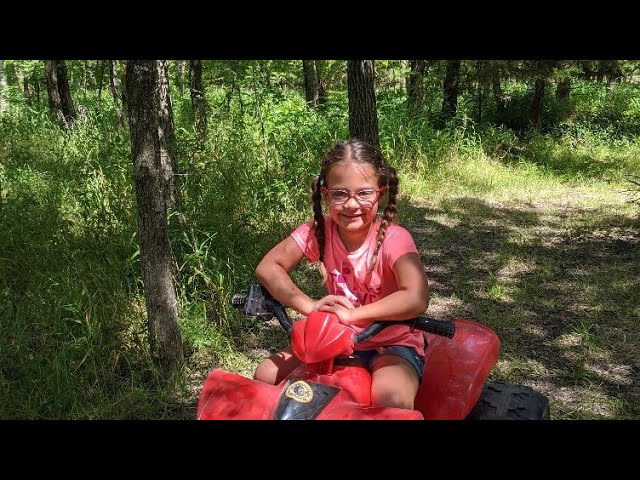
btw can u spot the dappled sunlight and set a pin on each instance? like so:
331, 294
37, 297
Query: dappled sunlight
445, 307
535, 330
613, 373
590, 402
508, 367
555, 280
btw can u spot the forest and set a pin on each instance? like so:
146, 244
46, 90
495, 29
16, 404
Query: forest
137, 197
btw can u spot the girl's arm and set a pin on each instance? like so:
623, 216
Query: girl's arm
273, 273
409, 301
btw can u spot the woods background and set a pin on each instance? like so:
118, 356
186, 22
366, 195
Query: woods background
137, 196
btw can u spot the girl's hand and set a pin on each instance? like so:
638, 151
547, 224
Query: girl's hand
332, 300
345, 315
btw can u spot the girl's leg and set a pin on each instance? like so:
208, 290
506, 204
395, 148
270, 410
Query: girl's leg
273, 369
394, 382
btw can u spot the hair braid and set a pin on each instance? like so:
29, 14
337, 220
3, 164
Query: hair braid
389, 212
318, 218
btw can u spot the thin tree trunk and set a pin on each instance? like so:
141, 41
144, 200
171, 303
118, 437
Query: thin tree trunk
3, 89
480, 79
322, 92
155, 249
363, 117
12, 77
26, 88
197, 97
125, 99
451, 90
498, 97
563, 90
167, 136
311, 90
415, 86
55, 102
85, 78
35, 79
181, 75
235, 87
101, 66
65, 94
22, 81
563, 94
115, 93
537, 102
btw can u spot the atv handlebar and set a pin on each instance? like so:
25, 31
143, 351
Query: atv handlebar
259, 303
444, 328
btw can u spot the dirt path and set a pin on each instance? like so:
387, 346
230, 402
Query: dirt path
560, 284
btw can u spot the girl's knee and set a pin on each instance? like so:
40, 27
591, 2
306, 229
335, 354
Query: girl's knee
392, 398
266, 372
275, 368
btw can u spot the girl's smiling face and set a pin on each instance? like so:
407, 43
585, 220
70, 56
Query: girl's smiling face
353, 218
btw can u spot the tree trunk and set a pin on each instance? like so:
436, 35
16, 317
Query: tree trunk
35, 80
415, 86
60, 101
26, 87
12, 76
363, 117
480, 78
115, 93
197, 97
65, 94
182, 75
451, 90
322, 92
311, 87
125, 99
55, 102
100, 78
85, 77
155, 249
23, 81
167, 136
537, 102
3, 89
563, 93
498, 97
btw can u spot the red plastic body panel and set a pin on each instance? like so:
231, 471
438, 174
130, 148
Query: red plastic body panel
229, 396
320, 338
456, 370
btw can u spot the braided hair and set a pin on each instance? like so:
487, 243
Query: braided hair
362, 152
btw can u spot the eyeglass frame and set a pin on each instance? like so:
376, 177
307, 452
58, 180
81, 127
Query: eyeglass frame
351, 195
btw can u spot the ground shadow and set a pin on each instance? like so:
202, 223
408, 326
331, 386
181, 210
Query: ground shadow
563, 304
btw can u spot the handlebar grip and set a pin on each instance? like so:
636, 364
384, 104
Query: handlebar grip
426, 324
437, 327
238, 300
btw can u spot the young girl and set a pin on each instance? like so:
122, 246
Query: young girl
371, 268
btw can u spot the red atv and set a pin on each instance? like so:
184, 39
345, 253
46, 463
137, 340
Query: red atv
331, 383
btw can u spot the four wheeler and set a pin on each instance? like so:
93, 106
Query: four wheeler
332, 384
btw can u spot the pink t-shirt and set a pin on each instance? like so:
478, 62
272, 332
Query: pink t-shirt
348, 271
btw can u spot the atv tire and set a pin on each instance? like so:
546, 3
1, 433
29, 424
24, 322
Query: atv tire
501, 401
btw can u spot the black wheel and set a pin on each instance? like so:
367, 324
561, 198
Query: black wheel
502, 401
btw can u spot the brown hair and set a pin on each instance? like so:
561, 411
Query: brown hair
362, 152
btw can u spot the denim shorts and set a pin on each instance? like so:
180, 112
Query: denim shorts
408, 353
